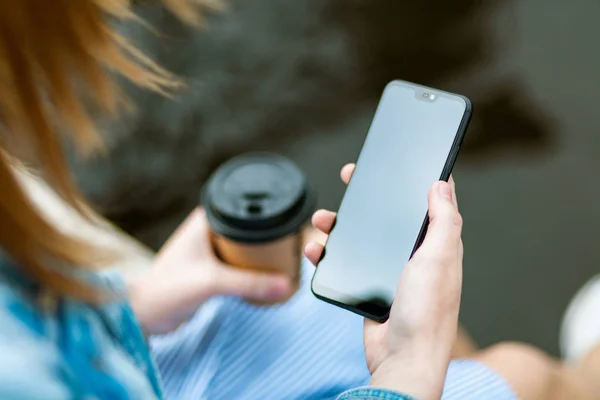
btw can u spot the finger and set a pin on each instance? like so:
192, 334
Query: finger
370, 324
251, 285
347, 172
453, 186
324, 220
313, 251
461, 251
445, 223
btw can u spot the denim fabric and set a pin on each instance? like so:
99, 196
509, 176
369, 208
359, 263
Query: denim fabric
367, 393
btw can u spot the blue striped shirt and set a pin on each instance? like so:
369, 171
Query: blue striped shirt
304, 349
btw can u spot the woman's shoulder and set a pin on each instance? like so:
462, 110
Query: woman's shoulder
18, 311
30, 363
35, 312
33, 362
30, 368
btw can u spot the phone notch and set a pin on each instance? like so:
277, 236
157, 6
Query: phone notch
426, 95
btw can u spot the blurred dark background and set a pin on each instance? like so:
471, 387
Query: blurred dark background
303, 78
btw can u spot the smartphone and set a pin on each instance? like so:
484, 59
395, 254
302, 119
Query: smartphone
413, 142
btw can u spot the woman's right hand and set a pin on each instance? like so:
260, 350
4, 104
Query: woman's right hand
411, 351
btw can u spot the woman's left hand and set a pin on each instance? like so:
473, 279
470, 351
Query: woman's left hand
186, 273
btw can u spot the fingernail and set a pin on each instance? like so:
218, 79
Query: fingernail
310, 246
445, 190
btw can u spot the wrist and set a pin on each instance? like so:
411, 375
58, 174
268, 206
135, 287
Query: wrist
420, 376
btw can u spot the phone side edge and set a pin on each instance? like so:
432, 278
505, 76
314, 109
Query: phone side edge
458, 140
450, 162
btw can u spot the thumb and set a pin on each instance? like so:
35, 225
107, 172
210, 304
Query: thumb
445, 222
259, 286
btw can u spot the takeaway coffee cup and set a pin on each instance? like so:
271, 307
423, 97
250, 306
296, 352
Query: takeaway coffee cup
257, 205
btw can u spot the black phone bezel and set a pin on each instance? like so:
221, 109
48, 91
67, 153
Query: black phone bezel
374, 311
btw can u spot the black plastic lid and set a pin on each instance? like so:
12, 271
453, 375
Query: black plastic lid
257, 197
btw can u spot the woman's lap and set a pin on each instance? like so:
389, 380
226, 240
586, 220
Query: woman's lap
299, 350
472, 380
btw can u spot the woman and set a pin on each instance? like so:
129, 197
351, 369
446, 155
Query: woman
69, 331
66, 330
